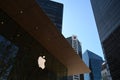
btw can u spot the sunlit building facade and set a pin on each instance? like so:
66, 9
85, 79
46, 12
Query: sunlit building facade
76, 45
94, 62
107, 17
105, 72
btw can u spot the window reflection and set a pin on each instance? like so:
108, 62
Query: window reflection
8, 53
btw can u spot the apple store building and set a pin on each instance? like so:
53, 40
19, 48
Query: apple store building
31, 48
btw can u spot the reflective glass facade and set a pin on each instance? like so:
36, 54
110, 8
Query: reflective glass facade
107, 16
19, 54
94, 62
8, 52
53, 10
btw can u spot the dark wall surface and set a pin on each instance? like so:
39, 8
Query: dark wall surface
27, 50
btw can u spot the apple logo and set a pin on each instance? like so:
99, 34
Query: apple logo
41, 62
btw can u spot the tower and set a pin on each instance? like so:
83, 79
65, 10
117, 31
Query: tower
76, 45
107, 18
94, 62
74, 42
53, 10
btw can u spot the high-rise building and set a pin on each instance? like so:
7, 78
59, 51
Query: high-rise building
31, 48
94, 62
107, 17
53, 10
74, 42
105, 72
76, 45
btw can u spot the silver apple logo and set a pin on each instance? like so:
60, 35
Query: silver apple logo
41, 62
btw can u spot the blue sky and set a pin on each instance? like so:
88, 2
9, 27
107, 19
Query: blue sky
78, 19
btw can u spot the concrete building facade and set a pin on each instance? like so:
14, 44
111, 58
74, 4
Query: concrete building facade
105, 72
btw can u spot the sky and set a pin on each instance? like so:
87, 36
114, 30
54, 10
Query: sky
78, 19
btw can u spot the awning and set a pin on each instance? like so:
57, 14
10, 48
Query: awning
29, 15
